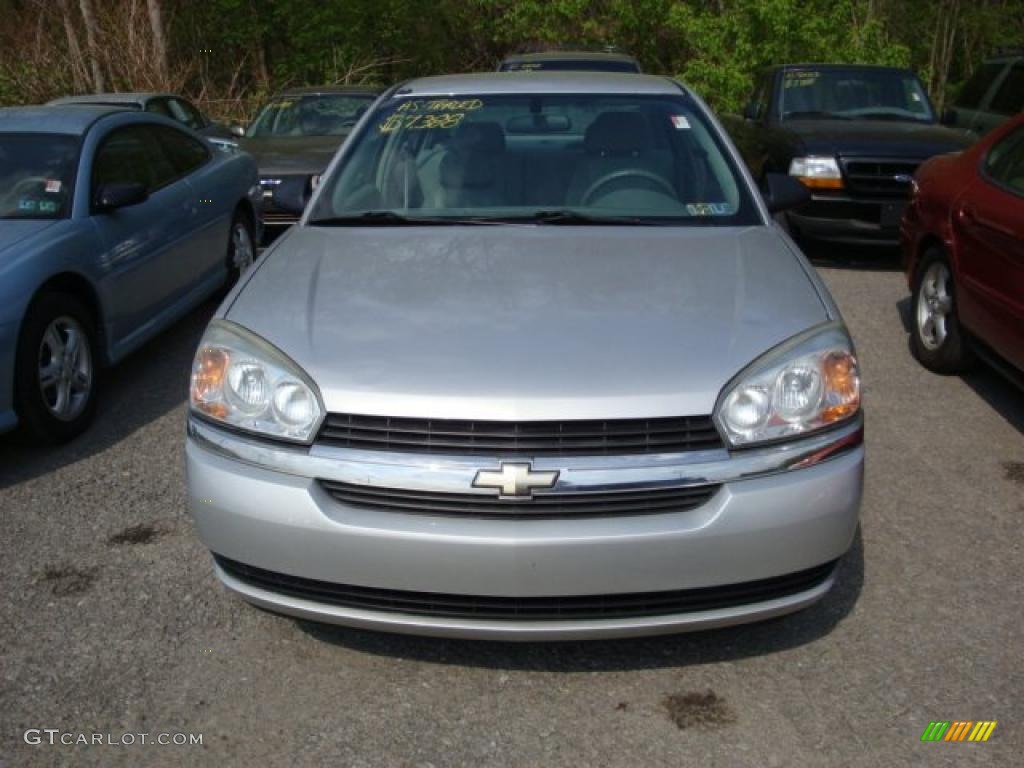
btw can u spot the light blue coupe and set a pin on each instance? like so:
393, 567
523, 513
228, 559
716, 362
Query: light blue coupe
113, 224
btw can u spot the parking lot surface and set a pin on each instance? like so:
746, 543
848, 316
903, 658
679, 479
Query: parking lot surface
112, 621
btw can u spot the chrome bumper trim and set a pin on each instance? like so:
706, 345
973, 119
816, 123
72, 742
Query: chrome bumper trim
577, 474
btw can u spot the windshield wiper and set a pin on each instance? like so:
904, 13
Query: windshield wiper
392, 218
565, 216
813, 114
892, 116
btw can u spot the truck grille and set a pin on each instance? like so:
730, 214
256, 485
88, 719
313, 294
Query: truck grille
520, 438
883, 178
540, 505
578, 607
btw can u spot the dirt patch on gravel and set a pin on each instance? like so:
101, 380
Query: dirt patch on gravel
67, 580
143, 533
705, 710
1014, 471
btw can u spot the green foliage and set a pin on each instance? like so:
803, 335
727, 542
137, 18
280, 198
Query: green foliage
236, 50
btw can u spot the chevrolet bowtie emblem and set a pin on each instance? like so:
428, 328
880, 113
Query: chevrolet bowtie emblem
514, 480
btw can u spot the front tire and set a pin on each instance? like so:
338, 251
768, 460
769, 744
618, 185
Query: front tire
241, 247
937, 338
55, 369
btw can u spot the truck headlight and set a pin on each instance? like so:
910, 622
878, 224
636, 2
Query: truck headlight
808, 383
243, 381
817, 171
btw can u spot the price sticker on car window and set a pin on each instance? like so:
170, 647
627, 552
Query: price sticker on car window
680, 123
53, 186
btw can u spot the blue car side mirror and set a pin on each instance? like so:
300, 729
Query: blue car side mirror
110, 197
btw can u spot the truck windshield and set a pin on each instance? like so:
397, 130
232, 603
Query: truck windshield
316, 114
854, 93
546, 158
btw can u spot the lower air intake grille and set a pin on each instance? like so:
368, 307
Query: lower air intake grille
578, 607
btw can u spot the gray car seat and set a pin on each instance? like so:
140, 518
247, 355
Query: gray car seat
615, 142
472, 172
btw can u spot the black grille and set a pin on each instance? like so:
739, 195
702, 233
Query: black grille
279, 218
884, 178
540, 505
579, 607
528, 438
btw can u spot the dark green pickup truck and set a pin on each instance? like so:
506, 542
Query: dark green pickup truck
853, 134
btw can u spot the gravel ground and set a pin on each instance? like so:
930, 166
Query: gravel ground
113, 622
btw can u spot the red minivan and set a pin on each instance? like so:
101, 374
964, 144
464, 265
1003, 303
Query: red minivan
963, 248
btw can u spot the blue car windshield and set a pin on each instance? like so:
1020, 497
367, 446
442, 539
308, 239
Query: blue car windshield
36, 175
549, 158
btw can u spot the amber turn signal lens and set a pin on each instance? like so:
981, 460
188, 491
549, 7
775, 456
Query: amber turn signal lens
208, 380
814, 182
842, 386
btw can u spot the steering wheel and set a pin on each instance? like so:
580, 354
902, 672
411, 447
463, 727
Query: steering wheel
637, 173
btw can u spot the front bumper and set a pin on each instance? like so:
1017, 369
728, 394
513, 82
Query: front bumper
847, 219
779, 511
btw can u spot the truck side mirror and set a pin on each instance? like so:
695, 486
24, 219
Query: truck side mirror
782, 192
948, 117
750, 111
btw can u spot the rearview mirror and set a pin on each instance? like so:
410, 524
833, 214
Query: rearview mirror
782, 192
237, 130
110, 197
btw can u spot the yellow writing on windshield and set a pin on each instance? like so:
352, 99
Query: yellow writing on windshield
439, 105
421, 121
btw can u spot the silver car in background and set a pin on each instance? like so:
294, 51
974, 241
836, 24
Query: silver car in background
536, 363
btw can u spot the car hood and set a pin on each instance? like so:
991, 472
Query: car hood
14, 231
527, 322
886, 138
292, 154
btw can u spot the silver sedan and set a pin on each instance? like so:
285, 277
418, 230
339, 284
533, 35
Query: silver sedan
536, 363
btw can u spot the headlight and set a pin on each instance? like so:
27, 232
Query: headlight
243, 381
808, 383
817, 171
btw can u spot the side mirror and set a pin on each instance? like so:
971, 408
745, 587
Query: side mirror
948, 117
750, 111
110, 197
292, 198
782, 192
237, 130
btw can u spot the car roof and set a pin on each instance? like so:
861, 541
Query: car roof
111, 98
570, 55
369, 90
540, 82
75, 119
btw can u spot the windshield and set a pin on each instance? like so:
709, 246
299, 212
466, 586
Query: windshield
315, 114
553, 158
36, 175
836, 93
